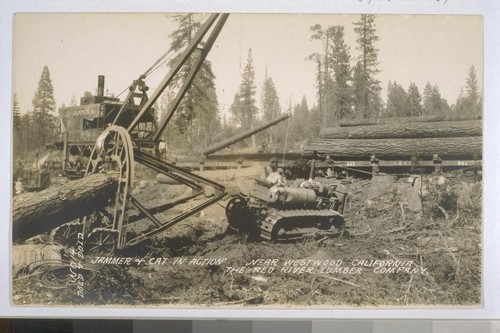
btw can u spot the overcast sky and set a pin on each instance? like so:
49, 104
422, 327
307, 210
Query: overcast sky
79, 47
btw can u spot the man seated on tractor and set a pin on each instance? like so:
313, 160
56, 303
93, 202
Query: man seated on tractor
277, 177
272, 173
271, 168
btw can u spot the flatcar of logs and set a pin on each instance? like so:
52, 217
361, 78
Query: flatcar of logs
448, 139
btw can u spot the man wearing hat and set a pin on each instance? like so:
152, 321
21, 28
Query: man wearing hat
271, 168
272, 173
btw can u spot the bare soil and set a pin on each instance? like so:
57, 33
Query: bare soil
432, 224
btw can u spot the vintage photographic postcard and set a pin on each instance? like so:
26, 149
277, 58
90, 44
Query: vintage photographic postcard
318, 161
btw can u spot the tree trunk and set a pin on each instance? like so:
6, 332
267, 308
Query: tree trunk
404, 120
392, 148
406, 130
36, 213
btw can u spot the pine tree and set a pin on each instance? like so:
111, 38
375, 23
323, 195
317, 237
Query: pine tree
27, 133
44, 101
358, 77
472, 86
16, 113
445, 107
270, 105
16, 117
438, 102
414, 101
473, 97
316, 57
469, 103
397, 100
433, 103
243, 107
315, 124
340, 63
428, 107
44, 122
207, 123
270, 101
324, 80
300, 122
236, 110
460, 106
365, 84
197, 117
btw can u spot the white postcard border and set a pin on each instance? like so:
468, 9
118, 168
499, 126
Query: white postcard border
491, 263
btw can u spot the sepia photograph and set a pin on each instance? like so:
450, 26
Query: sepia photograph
190, 160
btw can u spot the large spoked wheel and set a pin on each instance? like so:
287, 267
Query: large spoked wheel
101, 241
114, 152
66, 234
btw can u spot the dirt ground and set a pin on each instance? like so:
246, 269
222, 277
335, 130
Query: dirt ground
408, 241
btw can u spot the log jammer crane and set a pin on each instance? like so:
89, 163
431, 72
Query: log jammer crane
119, 147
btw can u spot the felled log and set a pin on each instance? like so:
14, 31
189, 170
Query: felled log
405, 120
36, 213
406, 130
391, 148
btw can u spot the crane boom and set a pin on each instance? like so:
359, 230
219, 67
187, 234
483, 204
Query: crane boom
119, 150
197, 42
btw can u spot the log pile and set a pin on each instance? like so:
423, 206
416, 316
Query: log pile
406, 120
407, 130
453, 139
397, 148
36, 213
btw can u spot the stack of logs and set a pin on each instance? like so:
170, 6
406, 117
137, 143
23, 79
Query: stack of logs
448, 139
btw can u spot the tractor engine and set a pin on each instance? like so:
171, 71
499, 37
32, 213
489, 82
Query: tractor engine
285, 213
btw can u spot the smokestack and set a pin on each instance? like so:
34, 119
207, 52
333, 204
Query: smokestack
100, 85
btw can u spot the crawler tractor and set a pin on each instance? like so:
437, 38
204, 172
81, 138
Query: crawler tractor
287, 212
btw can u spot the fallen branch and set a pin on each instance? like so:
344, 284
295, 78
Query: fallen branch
457, 263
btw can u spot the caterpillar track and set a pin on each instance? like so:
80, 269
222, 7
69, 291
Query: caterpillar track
289, 225
281, 213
